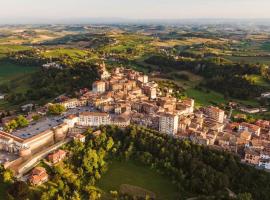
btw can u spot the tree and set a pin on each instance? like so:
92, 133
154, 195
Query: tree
244, 196
22, 121
19, 190
56, 109
11, 125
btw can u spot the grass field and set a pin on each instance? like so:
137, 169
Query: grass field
205, 98
210, 97
129, 172
10, 71
17, 77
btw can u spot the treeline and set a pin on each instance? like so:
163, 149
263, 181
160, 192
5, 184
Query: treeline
194, 169
226, 78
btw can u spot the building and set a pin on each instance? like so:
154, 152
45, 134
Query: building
168, 123
215, 113
94, 119
57, 156
73, 103
252, 156
253, 129
2, 96
121, 121
264, 163
265, 95
38, 176
99, 87
30, 140
143, 78
79, 137
71, 120
52, 65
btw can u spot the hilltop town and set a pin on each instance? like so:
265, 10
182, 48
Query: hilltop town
124, 97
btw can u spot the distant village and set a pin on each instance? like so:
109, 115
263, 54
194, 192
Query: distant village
124, 97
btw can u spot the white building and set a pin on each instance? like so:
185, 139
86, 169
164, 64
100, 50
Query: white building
143, 78
94, 119
168, 123
71, 120
264, 163
2, 96
52, 65
73, 103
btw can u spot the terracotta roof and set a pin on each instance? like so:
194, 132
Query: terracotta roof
250, 126
79, 136
38, 170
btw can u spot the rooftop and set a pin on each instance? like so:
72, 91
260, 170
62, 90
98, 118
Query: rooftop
36, 128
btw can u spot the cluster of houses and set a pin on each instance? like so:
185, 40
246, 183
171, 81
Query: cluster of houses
123, 97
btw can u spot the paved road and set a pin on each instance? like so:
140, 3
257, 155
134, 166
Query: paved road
29, 164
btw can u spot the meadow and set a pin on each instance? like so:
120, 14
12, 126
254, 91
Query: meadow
136, 174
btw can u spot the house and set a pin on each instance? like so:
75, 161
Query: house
73, 103
265, 95
52, 65
2, 96
79, 137
27, 107
38, 176
57, 156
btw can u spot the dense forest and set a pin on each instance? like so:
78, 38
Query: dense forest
197, 171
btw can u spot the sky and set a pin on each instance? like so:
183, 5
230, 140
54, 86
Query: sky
132, 9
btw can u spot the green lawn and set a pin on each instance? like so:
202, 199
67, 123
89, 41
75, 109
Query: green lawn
204, 98
129, 172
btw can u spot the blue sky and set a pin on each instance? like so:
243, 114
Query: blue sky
136, 9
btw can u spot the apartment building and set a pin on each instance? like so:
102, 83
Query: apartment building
168, 123
99, 87
93, 119
215, 113
73, 103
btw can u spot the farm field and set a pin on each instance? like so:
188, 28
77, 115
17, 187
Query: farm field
129, 172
